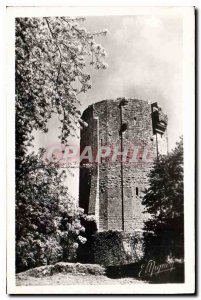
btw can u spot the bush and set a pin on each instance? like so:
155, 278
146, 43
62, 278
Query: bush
164, 201
112, 248
164, 243
48, 222
32, 252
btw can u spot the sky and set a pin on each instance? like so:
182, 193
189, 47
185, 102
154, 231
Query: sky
145, 62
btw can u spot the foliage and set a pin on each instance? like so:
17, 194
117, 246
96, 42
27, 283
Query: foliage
164, 201
51, 59
111, 248
48, 220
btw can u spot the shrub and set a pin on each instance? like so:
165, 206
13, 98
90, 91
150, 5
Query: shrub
112, 248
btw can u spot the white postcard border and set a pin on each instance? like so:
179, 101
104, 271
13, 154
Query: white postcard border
187, 13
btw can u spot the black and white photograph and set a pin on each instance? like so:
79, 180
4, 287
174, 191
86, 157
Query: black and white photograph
101, 136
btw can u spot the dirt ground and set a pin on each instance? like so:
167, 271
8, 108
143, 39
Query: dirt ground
70, 279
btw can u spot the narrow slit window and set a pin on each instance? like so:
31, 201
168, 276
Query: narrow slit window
134, 120
137, 191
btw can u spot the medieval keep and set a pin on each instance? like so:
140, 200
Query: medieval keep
113, 190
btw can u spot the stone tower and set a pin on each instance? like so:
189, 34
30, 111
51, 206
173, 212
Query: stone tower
134, 131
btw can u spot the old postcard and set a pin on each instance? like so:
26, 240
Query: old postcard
100, 150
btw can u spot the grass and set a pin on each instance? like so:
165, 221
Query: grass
71, 279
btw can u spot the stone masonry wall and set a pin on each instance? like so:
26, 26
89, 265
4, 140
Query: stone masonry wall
113, 190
